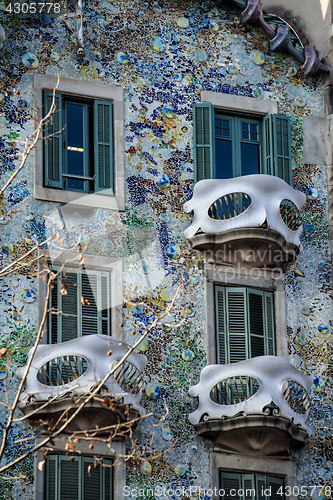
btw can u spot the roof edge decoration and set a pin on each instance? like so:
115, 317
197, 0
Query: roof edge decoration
280, 37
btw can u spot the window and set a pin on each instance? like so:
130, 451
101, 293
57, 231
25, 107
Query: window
80, 304
78, 144
231, 145
244, 324
244, 486
77, 478
96, 178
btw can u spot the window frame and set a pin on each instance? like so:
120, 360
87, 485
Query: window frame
112, 199
114, 452
262, 280
275, 137
237, 140
254, 478
99, 273
234, 463
248, 336
88, 263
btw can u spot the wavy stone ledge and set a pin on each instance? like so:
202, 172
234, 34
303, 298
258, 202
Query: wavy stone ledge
94, 418
253, 435
250, 247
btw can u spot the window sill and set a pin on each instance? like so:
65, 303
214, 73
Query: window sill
95, 200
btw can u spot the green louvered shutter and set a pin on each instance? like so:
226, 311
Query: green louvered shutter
237, 346
220, 325
92, 481
270, 324
248, 485
53, 142
268, 160
260, 486
256, 322
282, 147
68, 318
69, 478
107, 476
231, 481
276, 485
204, 141
51, 478
103, 141
85, 305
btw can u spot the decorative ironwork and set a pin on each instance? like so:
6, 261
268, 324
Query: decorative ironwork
233, 390
229, 206
62, 370
290, 215
296, 397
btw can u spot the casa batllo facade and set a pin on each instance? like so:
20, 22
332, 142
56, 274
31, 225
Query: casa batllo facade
179, 188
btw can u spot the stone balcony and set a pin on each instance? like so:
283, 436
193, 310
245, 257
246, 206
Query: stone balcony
62, 375
256, 407
252, 220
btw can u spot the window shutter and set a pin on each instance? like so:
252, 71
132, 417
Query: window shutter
70, 488
51, 476
231, 481
107, 475
282, 147
106, 303
89, 307
54, 317
248, 486
69, 318
53, 142
92, 481
256, 322
276, 483
237, 346
268, 158
204, 141
270, 325
220, 325
103, 141
260, 486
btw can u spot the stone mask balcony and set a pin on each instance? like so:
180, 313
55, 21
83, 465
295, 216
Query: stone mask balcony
61, 375
256, 407
252, 220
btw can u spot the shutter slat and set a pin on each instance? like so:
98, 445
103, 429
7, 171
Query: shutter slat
282, 147
103, 145
204, 141
69, 479
220, 324
53, 141
51, 469
91, 482
268, 158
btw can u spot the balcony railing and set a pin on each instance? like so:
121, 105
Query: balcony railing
75, 367
252, 202
265, 392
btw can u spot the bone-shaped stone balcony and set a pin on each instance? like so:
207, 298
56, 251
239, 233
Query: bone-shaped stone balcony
60, 374
257, 407
252, 219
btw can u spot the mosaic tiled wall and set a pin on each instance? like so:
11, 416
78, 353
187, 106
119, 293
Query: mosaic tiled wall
163, 54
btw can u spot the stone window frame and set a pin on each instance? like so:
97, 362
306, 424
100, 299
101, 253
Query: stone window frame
90, 90
93, 262
114, 451
265, 280
230, 462
240, 104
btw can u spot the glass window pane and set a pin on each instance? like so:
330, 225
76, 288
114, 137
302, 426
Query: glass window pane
217, 126
245, 126
223, 151
254, 137
250, 158
254, 128
75, 145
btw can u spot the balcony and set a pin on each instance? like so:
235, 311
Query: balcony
256, 407
62, 375
252, 220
